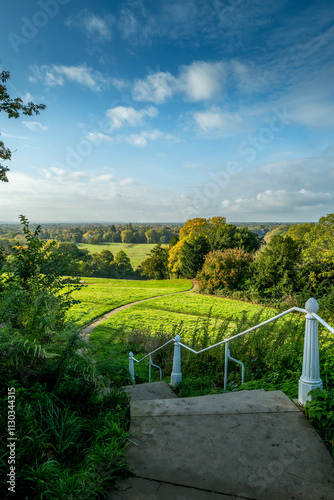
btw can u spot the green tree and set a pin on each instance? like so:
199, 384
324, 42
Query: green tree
127, 236
13, 108
124, 268
318, 255
231, 236
228, 269
152, 236
156, 264
275, 269
192, 254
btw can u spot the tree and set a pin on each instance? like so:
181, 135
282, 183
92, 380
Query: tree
152, 236
124, 268
231, 236
275, 270
33, 295
127, 236
192, 255
13, 108
156, 264
318, 254
225, 270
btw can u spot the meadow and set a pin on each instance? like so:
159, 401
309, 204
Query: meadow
99, 295
137, 252
201, 320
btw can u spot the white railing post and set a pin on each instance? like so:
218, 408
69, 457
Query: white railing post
176, 375
227, 353
310, 378
131, 367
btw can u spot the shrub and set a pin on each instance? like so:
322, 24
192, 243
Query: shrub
224, 270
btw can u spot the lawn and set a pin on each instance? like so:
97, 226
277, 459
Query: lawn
183, 314
99, 295
137, 252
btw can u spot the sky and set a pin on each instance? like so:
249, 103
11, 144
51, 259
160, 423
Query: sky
162, 110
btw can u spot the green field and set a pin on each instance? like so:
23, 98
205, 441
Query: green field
183, 313
99, 295
137, 252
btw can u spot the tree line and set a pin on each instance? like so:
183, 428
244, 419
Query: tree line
226, 259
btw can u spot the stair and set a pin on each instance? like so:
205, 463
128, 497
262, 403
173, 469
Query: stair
242, 445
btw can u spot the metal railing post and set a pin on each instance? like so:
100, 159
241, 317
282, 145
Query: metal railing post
131, 367
227, 353
310, 378
176, 375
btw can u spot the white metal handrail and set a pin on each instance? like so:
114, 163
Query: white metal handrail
310, 378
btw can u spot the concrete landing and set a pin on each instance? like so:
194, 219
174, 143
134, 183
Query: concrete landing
243, 445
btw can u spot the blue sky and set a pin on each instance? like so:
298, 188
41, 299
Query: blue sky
163, 110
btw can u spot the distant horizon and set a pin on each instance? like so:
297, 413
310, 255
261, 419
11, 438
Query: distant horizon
151, 222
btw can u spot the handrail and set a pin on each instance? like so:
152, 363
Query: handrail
149, 354
310, 378
326, 325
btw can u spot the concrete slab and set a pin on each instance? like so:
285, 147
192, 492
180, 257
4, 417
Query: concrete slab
276, 456
145, 392
233, 402
145, 489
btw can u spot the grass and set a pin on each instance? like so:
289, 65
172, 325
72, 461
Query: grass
137, 252
100, 295
183, 312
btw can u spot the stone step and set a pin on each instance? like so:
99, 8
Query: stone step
247, 444
147, 392
218, 404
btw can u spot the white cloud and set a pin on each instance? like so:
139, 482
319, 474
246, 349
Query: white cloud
12, 136
105, 178
35, 126
202, 80
121, 116
98, 28
58, 75
313, 112
140, 140
68, 200
98, 137
156, 87
127, 181
281, 200
217, 122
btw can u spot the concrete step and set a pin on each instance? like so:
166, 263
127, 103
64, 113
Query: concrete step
147, 392
228, 403
136, 488
247, 444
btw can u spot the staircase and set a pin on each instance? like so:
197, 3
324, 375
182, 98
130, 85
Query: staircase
233, 446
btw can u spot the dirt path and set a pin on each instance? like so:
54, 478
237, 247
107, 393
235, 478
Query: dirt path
88, 329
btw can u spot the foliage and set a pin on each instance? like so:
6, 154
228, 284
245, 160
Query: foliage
62, 452
13, 108
155, 266
221, 270
231, 236
320, 412
199, 236
192, 255
275, 267
71, 439
124, 268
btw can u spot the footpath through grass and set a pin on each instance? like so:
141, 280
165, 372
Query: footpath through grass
99, 296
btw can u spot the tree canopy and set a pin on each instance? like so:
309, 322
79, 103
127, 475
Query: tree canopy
14, 108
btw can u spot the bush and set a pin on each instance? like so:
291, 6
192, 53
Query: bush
224, 270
